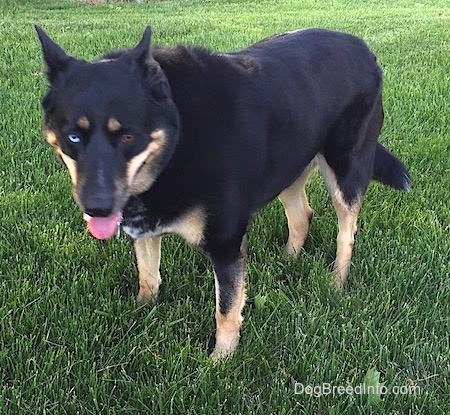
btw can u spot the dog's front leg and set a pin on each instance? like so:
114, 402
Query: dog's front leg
148, 255
229, 278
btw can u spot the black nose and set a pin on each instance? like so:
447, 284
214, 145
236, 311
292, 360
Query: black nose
98, 212
99, 206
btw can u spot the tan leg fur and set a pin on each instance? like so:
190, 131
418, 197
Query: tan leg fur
228, 325
347, 223
298, 211
148, 255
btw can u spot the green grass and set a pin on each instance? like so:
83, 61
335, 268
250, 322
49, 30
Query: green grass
74, 341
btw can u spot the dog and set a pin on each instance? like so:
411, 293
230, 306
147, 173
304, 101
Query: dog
186, 141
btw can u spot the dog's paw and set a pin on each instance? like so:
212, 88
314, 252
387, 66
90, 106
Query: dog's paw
220, 355
146, 296
224, 349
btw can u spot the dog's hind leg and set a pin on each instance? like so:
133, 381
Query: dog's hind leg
298, 211
347, 214
229, 278
346, 163
148, 255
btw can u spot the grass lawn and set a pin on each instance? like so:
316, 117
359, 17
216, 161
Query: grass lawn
74, 341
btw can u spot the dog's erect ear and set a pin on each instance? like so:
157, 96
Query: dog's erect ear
140, 55
141, 51
55, 57
142, 60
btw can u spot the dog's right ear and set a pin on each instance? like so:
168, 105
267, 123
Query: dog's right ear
54, 56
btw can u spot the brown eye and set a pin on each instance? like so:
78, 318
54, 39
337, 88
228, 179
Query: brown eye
127, 138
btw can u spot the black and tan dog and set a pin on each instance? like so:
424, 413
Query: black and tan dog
186, 141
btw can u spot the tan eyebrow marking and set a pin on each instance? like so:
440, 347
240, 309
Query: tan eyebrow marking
83, 123
113, 125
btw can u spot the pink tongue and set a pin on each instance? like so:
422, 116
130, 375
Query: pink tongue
103, 228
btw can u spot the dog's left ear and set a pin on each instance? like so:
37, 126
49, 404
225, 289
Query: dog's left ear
55, 57
141, 53
142, 60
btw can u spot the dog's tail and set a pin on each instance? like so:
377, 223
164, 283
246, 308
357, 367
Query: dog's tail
389, 170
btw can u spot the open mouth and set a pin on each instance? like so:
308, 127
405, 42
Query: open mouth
103, 227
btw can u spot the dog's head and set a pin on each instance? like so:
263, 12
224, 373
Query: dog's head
113, 124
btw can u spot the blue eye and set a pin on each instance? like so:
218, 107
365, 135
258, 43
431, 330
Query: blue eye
73, 138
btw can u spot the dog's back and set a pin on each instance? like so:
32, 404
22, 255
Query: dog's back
281, 97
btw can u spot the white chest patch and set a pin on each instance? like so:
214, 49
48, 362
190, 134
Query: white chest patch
190, 226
